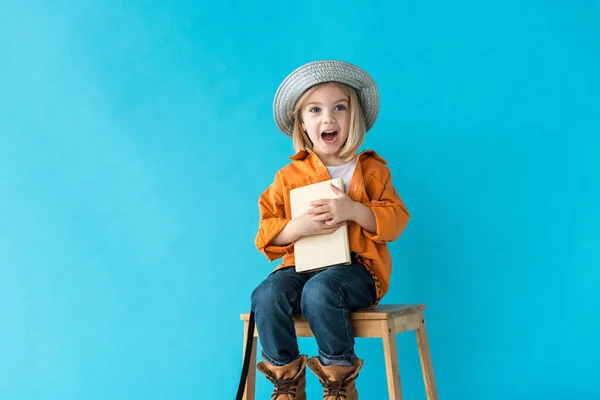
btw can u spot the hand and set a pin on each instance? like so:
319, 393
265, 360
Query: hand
305, 225
333, 211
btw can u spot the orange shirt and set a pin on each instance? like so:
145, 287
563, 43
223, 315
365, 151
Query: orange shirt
371, 185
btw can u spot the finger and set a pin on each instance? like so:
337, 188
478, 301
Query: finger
330, 230
320, 202
322, 217
319, 210
336, 226
337, 191
334, 222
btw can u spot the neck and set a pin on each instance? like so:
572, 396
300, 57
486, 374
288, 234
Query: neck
331, 160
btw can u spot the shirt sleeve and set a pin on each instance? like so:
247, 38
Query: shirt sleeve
391, 216
271, 207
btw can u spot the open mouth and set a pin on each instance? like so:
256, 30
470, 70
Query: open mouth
329, 136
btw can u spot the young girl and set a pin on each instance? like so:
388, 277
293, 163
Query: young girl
326, 107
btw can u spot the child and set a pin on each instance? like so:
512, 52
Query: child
326, 107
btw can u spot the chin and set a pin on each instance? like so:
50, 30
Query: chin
328, 150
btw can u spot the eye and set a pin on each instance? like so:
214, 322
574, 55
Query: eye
340, 107
314, 110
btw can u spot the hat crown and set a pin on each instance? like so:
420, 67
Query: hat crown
316, 72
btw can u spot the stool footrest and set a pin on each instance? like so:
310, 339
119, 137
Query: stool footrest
384, 321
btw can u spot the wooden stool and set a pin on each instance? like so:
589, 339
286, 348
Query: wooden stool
384, 321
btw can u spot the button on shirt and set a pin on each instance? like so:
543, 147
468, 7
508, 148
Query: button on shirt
370, 184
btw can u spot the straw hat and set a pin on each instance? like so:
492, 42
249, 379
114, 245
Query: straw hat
308, 75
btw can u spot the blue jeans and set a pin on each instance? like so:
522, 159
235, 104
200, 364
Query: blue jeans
324, 298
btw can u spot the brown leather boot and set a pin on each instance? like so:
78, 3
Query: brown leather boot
338, 381
289, 379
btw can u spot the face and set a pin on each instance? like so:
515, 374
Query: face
326, 120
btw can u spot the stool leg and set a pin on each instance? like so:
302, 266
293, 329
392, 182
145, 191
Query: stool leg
392, 367
426, 364
251, 381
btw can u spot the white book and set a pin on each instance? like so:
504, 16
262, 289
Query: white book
319, 251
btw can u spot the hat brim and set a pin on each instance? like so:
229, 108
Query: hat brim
308, 75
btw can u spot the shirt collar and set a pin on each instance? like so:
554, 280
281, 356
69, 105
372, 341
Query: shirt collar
302, 154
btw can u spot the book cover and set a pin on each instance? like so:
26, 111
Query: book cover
319, 251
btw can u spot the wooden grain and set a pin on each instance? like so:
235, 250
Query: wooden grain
392, 366
426, 363
385, 322
381, 312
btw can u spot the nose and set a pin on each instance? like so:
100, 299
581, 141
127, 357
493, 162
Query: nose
328, 117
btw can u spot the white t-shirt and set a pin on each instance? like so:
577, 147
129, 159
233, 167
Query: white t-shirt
343, 171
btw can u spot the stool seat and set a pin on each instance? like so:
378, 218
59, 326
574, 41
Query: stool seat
384, 321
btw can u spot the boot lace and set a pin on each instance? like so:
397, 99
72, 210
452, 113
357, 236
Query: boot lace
336, 388
286, 386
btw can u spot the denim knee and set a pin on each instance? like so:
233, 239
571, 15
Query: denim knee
316, 293
271, 294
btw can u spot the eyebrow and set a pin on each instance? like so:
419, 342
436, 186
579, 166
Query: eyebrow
319, 103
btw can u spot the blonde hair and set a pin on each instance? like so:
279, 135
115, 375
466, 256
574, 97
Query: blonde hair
357, 130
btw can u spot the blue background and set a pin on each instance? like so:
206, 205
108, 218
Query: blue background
135, 138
